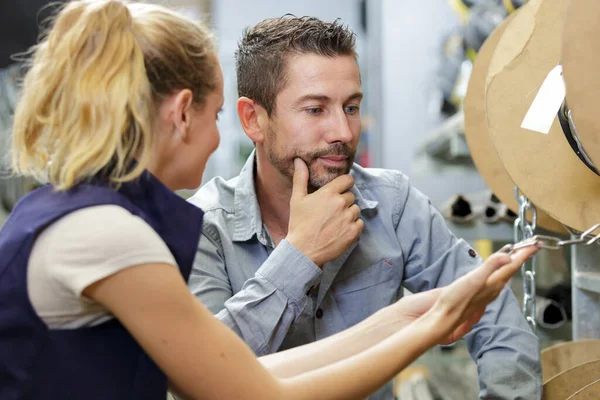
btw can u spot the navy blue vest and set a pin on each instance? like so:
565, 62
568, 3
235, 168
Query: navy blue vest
101, 362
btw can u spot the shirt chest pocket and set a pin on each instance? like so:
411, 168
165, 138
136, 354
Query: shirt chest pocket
362, 294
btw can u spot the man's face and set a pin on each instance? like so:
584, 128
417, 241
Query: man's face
316, 118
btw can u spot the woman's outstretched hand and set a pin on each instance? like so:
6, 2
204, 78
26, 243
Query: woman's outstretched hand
454, 309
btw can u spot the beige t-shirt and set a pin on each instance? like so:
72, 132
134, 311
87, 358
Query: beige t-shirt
80, 249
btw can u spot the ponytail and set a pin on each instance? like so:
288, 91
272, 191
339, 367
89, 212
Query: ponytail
86, 103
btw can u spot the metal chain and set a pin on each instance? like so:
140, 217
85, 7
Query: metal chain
556, 243
523, 233
524, 237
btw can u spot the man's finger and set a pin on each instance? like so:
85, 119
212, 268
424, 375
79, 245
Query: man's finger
300, 182
340, 184
348, 198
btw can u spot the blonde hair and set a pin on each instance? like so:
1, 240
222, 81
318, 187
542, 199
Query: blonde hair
94, 84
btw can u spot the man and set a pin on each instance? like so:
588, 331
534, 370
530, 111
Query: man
295, 250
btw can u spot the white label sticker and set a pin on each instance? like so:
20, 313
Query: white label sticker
547, 102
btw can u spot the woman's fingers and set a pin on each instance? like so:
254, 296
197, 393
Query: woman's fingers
468, 287
521, 255
498, 279
464, 301
504, 273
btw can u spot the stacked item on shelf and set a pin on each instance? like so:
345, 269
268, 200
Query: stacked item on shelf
463, 209
460, 48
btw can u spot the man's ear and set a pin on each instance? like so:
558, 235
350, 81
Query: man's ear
253, 118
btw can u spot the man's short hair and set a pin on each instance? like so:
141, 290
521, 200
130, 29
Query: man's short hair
264, 49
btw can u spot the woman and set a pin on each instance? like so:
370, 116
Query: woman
119, 110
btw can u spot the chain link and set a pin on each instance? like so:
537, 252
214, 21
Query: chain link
524, 233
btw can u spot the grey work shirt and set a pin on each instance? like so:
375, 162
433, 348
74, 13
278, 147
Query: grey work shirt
275, 298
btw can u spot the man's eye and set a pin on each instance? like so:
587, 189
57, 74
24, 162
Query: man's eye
352, 109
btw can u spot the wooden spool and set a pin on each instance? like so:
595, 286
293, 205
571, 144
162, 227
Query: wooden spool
563, 356
478, 137
590, 392
569, 382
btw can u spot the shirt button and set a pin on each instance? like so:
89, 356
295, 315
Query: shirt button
319, 314
472, 253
